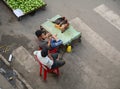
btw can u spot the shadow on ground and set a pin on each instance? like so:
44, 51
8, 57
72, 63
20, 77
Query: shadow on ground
10, 42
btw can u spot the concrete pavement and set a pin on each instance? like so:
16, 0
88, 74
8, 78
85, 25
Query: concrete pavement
96, 59
4, 84
81, 69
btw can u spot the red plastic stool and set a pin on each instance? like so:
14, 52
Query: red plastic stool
54, 50
46, 69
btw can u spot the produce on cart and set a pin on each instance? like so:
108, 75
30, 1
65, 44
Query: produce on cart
23, 7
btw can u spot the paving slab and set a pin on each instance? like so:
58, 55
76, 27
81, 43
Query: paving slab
4, 84
23, 57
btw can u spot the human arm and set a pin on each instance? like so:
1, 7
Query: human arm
48, 43
44, 43
55, 37
49, 55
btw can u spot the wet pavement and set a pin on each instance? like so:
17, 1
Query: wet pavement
10, 78
10, 42
5, 84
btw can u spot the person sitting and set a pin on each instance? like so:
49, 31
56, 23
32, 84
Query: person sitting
61, 23
50, 60
47, 40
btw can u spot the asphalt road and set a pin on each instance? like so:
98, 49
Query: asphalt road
100, 42
70, 9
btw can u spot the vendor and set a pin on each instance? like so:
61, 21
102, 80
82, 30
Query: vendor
47, 40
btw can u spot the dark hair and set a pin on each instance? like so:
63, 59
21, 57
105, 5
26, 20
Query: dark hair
63, 17
41, 28
38, 33
44, 52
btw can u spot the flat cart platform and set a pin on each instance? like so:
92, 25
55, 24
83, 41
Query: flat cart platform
67, 37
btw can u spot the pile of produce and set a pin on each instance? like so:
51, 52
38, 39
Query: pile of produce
25, 5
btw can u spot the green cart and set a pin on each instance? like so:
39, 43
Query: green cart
67, 37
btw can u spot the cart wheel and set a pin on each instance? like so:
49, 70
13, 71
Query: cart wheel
43, 8
79, 39
32, 13
19, 19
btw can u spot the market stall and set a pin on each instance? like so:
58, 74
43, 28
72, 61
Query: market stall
67, 37
21, 8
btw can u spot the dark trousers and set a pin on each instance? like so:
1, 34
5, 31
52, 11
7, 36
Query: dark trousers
57, 63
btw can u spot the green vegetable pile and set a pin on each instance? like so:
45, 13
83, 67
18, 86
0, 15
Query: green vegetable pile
25, 5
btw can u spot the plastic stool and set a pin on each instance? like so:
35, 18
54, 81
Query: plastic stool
54, 50
46, 69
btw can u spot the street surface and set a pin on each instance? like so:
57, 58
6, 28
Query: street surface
93, 64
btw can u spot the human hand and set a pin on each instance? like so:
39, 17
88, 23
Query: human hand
48, 35
55, 37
